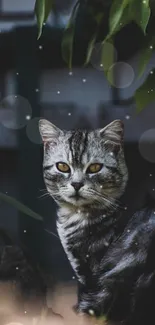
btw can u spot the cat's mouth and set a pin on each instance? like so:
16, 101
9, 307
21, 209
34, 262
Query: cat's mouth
76, 196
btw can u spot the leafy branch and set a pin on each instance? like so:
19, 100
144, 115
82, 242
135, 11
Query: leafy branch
20, 206
24, 209
121, 13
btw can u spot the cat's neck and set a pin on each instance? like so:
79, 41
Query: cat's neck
88, 212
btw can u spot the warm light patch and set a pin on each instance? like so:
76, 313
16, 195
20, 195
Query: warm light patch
14, 324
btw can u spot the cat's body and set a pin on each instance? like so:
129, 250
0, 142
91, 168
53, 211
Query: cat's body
114, 263
86, 174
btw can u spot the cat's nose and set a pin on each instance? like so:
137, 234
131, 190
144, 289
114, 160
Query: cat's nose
77, 185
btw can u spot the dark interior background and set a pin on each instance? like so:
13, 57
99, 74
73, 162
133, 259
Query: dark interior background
81, 98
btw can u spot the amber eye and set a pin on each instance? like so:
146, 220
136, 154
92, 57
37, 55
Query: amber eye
94, 168
63, 167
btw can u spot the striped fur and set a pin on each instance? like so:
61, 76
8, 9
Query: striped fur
85, 226
113, 257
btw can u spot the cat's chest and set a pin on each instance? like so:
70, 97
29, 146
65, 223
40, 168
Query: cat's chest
84, 243
71, 230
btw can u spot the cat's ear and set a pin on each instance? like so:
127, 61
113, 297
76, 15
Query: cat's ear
48, 131
114, 132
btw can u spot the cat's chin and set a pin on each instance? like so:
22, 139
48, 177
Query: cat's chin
73, 201
77, 201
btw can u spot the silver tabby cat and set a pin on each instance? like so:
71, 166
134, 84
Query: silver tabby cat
85, 172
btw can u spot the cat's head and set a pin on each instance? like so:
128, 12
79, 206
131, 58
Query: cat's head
84, 168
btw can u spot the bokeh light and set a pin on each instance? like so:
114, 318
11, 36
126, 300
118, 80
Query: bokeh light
14, 111
147, 145
121, 75
32, 131
103, 55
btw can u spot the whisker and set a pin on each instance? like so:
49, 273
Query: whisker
118, 204
51, 233
103, 198
113, 204
43, 195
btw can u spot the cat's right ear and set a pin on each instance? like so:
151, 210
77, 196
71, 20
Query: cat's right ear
113, 132
48, 131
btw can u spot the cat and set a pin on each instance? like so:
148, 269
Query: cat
113, 257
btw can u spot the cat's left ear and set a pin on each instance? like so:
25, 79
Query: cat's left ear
48, 131
113, 132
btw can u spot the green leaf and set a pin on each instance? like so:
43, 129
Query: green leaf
67, 45
124, 11
107, 55
42, 10
119, 19
140, 13
19, 206
116, 13
48, 8
98, 18
105, 51
144, 60
68, 37
145, 57
90, 48
145, 95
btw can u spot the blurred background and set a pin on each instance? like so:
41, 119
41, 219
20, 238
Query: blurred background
35, 82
